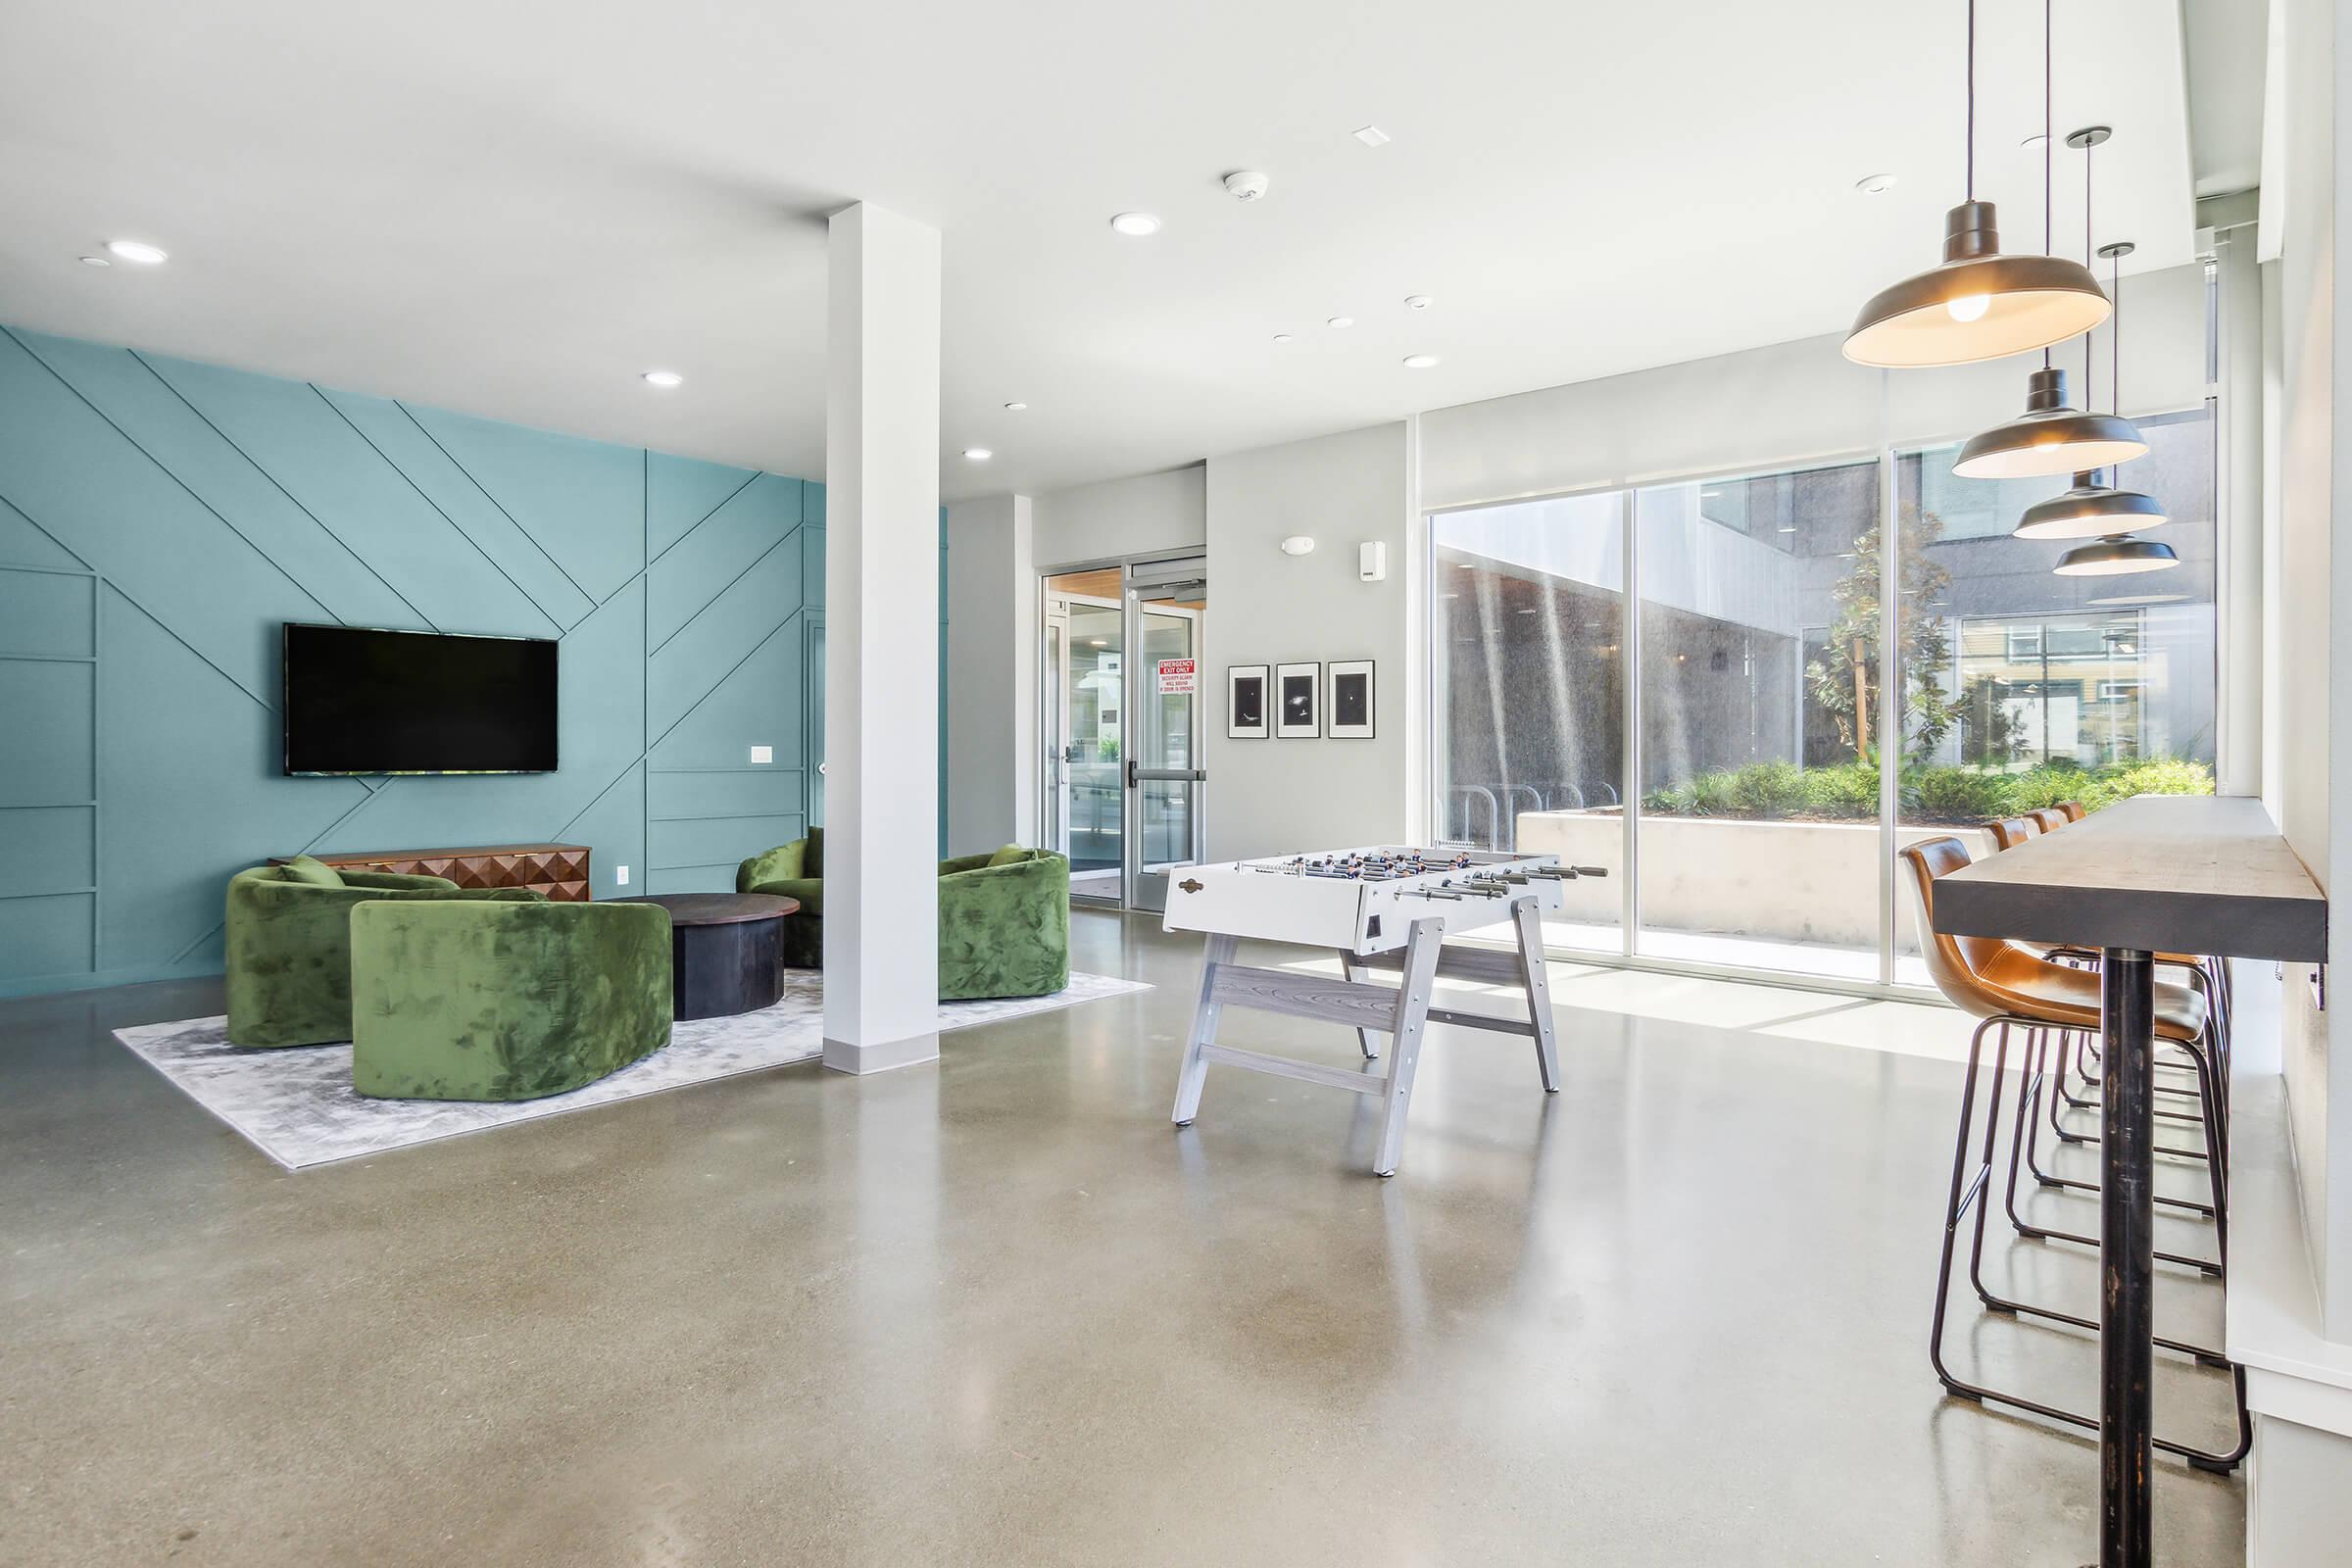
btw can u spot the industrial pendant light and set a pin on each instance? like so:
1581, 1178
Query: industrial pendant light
2118, 557
2050, 437
2118, 554
1979, 304
2091, 508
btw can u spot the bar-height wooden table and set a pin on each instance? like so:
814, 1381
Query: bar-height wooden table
2153, 874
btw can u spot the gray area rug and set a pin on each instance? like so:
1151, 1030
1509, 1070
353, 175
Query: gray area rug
298, 1107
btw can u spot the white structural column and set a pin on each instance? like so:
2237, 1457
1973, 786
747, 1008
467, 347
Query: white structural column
881, 642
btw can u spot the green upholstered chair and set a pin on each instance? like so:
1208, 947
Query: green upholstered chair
497, 1001
795, 870
1003, 924
1004, 917
288, 958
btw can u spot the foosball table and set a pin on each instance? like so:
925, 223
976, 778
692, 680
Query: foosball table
1385, 911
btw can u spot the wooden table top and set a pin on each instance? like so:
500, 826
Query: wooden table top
2161, 873
718, 908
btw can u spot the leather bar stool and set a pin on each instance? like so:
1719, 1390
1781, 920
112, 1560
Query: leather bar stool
2049, 1060
2004, 986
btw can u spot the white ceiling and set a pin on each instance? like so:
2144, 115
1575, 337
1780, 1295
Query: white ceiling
513, 207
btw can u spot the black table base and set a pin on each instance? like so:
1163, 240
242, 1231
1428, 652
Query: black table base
2126, 1251
720, 970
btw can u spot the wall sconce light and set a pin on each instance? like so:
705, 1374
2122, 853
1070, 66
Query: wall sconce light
1297, 544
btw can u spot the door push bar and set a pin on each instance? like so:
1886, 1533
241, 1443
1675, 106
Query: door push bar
1164, 775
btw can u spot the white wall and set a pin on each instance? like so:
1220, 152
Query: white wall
2311, 710
1143, 516
1265, 607
992, 674
1788, 403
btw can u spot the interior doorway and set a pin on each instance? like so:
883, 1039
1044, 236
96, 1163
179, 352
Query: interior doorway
1120, 670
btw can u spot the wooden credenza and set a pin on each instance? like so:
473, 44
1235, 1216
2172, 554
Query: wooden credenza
557, 870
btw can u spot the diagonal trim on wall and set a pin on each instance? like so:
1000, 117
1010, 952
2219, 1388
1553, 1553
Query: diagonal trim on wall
165, 382
149, 614
455, 527
132, 442
714, 598
494, 500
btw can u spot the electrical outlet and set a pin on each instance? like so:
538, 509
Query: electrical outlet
763, 754
621, 876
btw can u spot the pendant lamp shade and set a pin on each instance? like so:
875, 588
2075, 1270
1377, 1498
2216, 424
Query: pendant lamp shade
2049, 438
2089, 510
2118, 557
1977, 304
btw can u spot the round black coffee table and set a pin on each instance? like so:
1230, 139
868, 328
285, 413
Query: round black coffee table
726, 950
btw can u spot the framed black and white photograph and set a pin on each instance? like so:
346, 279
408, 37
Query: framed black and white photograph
1350, 705
1294, 689
1246, 702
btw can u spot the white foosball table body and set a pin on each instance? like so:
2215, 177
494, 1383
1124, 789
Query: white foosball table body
1286, 899
1380, 908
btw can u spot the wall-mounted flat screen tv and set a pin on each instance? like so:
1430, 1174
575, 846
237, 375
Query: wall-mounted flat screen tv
362, 701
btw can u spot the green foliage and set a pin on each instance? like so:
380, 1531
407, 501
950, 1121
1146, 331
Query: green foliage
1849, 791
1845, 678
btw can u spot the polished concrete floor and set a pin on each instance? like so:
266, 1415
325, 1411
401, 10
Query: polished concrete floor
997, 1311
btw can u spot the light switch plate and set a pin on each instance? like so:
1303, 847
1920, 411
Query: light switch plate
621, 876
763, 754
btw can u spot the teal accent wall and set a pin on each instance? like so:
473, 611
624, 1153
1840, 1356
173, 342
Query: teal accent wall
159, 520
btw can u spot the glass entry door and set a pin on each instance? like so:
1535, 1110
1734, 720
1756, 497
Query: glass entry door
1094, 704
1121, 666
1165, 829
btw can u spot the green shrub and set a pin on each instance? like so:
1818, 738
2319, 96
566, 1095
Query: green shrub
1849, 791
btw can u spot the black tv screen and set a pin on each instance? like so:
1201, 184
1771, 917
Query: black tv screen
360, 701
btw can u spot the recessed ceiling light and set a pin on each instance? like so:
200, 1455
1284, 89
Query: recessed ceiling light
1418, 302
1874, 184
1789, 528
1014, 408
665, 380
1282, 338
2032, 143
1341, 320
96, 261
139, 251
1136, 225
1420, 361
1372, 137
978, 454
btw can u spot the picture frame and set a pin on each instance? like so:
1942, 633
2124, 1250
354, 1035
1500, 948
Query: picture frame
1298, 702
1246, 690
1348, 705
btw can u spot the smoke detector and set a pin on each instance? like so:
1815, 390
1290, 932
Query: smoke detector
1248, 184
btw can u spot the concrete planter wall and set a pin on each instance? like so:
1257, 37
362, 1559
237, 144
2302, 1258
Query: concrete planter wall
1778, 881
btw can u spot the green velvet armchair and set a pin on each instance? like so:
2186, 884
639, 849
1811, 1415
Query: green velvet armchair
1003, 924
289, 936
502, 1001
795, 870
1003, 919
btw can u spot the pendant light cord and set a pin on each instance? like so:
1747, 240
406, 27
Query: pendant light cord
1971, 138
2048, 124
2089, 255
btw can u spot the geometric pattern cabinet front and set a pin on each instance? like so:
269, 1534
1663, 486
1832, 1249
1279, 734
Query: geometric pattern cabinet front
558, 872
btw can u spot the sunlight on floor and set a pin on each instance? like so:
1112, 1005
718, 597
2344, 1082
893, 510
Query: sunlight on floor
1784, 1013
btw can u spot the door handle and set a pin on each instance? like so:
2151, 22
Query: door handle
1166, 776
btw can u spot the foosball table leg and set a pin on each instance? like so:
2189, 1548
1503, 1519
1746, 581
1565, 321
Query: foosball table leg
1529, 922
1413, 991
1363, 1037
1218, 949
